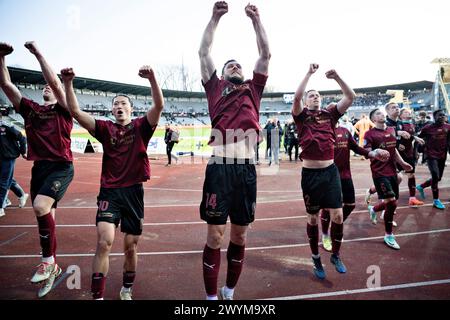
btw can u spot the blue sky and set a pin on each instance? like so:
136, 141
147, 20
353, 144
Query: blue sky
369, 43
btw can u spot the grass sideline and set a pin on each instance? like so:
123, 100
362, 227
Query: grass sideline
192, 139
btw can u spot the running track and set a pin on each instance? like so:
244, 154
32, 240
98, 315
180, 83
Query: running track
278, 264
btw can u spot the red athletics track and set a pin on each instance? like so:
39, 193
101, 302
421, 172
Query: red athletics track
278, 263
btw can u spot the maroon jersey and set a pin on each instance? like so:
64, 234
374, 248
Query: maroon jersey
382, 139
48, 131
316, 132
125, 161
408, 143
234, 106
437, 138
345, 142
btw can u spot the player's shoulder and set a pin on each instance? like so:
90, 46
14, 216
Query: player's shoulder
29, 102
331, 107
371, 132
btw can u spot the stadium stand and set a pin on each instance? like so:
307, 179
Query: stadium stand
190, 108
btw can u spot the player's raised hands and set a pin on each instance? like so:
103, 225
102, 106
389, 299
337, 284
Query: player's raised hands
332, 74
67, 74
31, 45
5, 49
146, 72
251, 11
313, 67
220, 8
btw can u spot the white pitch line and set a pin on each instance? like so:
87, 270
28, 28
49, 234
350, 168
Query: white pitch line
222, 250
145, 224
365, 290
196, 204
192, 222
295, 191
270, 191
13, 239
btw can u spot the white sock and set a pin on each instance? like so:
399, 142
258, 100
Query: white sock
125, 289
50, 260
212, 297
228, 291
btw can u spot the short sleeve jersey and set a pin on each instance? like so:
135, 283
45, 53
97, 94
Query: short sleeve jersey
316, 132
382, 139
436, 140
345, 143
125, 161
232, 107
48, 131
408, 143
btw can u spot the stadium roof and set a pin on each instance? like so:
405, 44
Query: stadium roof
19, 75
413, 86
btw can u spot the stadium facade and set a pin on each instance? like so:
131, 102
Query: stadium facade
190, 108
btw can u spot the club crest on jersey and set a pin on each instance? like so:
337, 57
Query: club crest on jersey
229, 89
56, 186
113, 141
310, 119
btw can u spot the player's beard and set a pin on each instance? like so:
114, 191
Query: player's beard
236, 80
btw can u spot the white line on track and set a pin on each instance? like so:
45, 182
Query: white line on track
13, 239
60, 255
442, 186
365, 290
295, 191
196, 204
193, 222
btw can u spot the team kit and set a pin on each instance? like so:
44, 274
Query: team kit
229, 187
